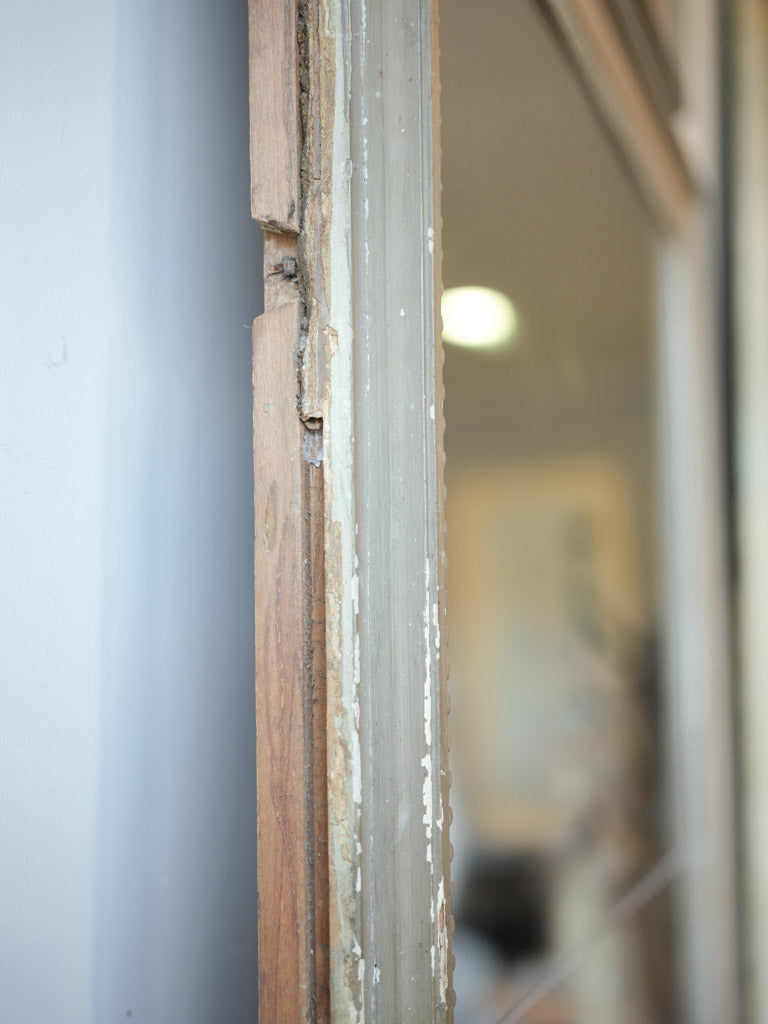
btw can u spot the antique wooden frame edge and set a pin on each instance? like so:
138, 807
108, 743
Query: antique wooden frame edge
323, 506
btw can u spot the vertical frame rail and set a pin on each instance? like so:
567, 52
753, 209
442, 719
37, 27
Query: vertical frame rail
354, 915
398, 481
373, 373
288, 558
290, 700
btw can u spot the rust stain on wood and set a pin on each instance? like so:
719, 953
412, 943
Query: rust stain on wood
282, 271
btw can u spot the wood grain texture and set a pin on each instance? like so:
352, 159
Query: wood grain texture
292, 855
328, 371
275, 124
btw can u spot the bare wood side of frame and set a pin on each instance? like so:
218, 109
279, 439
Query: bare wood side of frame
291, 731
290, 697
275, 129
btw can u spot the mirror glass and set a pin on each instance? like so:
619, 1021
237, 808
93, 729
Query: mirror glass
563, 865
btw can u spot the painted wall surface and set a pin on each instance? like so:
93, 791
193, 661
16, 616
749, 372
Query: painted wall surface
129, 275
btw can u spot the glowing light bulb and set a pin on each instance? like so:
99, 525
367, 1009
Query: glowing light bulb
477, 317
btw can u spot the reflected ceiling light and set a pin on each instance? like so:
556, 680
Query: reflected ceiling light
477, 317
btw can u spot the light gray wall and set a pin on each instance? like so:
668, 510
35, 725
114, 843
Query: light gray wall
129, 273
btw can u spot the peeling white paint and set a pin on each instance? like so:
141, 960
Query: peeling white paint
345, 779
427, 664
352, 884
312, 447
442, 942
426, 761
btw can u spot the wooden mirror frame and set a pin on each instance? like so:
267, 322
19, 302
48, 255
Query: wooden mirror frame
352, 777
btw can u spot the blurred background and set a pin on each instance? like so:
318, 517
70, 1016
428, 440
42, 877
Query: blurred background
573, 857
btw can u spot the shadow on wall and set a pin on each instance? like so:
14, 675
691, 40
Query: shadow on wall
176, 899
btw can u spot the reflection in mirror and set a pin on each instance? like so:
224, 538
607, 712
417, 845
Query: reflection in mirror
564, 866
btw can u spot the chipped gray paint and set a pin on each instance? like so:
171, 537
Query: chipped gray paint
327, 394
397, 474
369, 372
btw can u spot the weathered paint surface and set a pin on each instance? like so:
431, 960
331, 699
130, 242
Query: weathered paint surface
398, 487
367, 386
327, 376
390, 914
